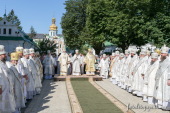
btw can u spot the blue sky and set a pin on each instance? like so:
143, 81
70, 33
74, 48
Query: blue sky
36, 13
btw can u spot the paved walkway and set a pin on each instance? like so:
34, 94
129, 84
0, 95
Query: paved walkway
128, 99
53, 99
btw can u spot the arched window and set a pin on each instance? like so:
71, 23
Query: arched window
10, 31
4, 31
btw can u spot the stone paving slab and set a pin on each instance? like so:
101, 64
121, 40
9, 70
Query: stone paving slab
53, 99
128, 99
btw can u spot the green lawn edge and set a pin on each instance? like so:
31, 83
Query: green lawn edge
90, 99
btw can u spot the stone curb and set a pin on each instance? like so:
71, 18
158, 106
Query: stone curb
75, 105
119, 104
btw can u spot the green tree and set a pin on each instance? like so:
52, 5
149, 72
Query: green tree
46, 44
94, 33
122, 22
73, 22
14, 19
84, 49
128, 22
32, 33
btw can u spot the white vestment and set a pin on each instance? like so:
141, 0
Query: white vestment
34, 69
121, 71
76, 65
40, 67
64, 60
7, 101
134, 60
162, 90
18, 88
139, 69
126, 70
149, 79
114, 67
119, 67
22, 71
30, 85
48, 64
104, 68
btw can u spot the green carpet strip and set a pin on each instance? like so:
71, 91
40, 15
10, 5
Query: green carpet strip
90, 99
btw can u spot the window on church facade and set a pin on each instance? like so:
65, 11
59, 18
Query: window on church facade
4, 31
4, 23
10, 31
0, 31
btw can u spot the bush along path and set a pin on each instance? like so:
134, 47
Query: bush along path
90, 99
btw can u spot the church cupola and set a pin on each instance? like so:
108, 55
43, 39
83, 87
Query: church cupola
53, 29
53, 26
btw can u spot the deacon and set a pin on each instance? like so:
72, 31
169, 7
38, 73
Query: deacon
104, 67
64, 60
82, 64
90, 61
76, 63
114, 67
7, 102
18, 88
48, 64
70, 65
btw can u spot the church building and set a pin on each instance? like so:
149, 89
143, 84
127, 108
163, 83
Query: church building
12, 37
58, 39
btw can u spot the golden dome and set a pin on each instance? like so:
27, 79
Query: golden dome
53, 26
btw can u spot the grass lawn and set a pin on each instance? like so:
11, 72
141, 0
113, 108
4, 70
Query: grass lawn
90, 99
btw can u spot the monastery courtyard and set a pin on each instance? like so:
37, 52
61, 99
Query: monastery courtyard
59, 97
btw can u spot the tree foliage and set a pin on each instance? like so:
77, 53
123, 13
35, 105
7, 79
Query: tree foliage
46, 44
32, 33
73, 22
14, 19
122, 22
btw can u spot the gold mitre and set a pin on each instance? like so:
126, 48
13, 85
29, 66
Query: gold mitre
19, 49
14, 56
158, 51
89, 50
